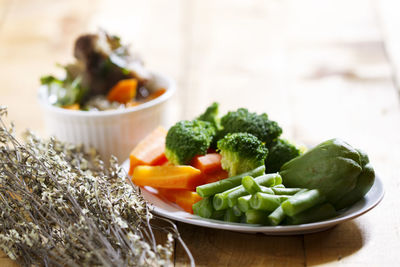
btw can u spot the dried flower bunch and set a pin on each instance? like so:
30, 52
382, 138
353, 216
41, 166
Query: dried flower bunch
60, 206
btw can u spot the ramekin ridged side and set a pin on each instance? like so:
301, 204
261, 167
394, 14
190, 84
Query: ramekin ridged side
113, 132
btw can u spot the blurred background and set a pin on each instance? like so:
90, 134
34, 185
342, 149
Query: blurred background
322, 69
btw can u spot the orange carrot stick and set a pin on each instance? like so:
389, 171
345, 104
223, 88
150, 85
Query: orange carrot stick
215, 176
149, 151
177, 177
208, 163
183, 198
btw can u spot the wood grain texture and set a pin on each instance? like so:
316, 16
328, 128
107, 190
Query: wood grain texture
212, 247
320, 68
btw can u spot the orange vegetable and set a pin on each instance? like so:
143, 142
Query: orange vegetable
214, 177
132, 103
124, 91
149, 151
177, 177
157, 93
208, 163
183, 198
72, 107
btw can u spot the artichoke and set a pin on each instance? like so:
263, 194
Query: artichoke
342, 173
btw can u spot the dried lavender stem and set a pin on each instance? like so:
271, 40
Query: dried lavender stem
60, 206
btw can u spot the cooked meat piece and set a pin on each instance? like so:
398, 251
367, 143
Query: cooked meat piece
102, 72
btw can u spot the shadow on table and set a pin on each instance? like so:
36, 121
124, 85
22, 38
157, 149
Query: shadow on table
333, 244
212, 247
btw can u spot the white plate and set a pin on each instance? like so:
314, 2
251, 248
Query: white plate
173, 212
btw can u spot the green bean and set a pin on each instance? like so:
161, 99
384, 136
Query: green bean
303, 201
230, 216
203, 208
228, 183
256, 217
269, 179
220, 201
237, 211
285, 191
278, 179
218, 215
262, 182
244, 203
267, 202
316, 213
251, 185
232, 197
276, 217
279, 186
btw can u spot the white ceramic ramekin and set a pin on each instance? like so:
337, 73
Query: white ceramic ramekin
112, 132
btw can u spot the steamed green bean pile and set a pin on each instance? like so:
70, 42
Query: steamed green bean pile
311, 187
261, 200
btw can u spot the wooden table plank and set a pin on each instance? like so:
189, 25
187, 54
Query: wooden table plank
317, 67
237, 58
390, 22
35, 35
212, 247
341, 87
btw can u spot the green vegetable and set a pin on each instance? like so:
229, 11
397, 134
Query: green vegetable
241, 152
261, 183
314, 214
187, 139
220, 200
250, 185
302, 201
237, 211
229, 198
285, 191
244, 203
230, 216
267, 202
211, 116
279, 153
228, 183
364, 183
267, 190
277, 216
242, 120
64, 92
203, 208
233, 196
333, 167
256, 217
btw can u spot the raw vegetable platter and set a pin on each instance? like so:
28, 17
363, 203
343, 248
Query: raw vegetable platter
236, 172
171, 211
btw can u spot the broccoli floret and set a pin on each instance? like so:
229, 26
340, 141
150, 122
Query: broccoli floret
279, 153
242, 120
211, 115
187, 139
241, 152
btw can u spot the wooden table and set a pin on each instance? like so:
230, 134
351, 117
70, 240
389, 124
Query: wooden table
322, 69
